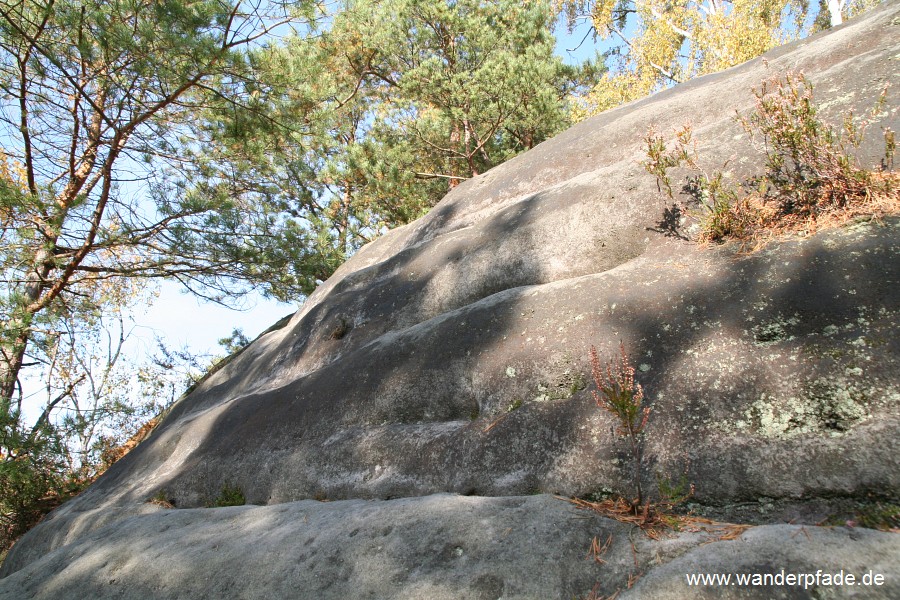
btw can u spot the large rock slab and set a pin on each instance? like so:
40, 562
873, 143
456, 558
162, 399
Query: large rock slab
441, 547
450, 357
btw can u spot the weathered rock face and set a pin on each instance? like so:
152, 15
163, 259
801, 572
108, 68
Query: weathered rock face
438, 546
450, 356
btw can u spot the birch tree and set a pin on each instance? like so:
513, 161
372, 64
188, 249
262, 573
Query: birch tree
659, 43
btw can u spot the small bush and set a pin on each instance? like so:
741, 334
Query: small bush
620, 395
808, 164
811, 179
162, 499
33, 478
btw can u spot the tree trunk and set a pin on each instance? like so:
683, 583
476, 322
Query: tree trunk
13, 355
834, 9
19, 325
455, 138
344, 219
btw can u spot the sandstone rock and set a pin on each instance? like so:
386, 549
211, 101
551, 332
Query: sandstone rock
440, 547
775, 550
433, 547
450, 356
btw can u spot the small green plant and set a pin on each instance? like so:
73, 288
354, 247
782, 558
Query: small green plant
672, 493
577, 384
618, 393
230, 496
514, 405
340, 329
882, 515
660, 159
712, 193
720, 219
161, 498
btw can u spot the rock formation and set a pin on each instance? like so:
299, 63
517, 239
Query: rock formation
403, 435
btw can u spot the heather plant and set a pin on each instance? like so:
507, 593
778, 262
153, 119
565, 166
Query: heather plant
717, 199
811, 176
660, 158
809, 165
618, 393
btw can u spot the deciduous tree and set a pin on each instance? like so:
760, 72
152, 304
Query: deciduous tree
657, 43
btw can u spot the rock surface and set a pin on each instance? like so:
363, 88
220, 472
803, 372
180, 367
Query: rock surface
441, 546
450, 357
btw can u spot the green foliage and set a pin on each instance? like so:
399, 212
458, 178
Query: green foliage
880, 515
32, 476
99, 95
230, 496
872, 514
621, 396
811, 174
673, 493
99, 103
366, 125
472, 82
235, 342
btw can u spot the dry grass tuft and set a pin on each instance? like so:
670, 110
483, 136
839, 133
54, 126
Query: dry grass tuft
653, 522
758, 220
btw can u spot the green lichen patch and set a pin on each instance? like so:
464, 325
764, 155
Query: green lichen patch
831, 406
561, 387
774, 331
514, 405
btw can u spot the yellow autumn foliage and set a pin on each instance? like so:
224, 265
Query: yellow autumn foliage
658, 43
